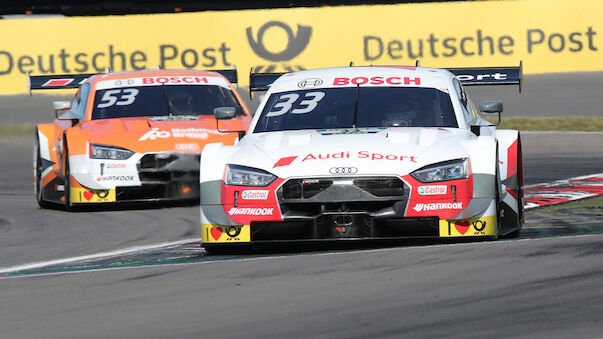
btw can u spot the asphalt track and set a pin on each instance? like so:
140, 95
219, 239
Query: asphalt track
547, 283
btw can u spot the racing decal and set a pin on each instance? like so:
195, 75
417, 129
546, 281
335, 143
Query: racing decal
432, 190
86, 195
468, 227
161, 80
563, 191
359, 155
443, 201
373, 156
312, 82
191, 147
119, 97
226, 234
244, 204
378, 80
436, 206
110, 167
251, 211
289, 103
58, 82
117, 178
512, 166
255, 194
175, 80
192, 133
286, 161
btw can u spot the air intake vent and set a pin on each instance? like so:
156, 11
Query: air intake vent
304, 188
157, 160
381, 187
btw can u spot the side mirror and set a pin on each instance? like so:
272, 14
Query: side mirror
61, 105
488, 107
493, 106
225, 113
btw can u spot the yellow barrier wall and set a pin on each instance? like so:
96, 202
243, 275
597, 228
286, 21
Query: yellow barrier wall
548, 35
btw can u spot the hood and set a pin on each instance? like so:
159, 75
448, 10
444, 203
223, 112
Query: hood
383, 151
143, 135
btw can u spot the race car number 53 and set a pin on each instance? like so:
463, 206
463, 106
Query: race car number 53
127, 97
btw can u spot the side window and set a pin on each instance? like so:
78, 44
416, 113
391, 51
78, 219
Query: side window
81, 109
468, 109
78, 105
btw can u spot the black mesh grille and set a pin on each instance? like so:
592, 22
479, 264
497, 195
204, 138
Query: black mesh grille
304, 188
381, 187
157, 160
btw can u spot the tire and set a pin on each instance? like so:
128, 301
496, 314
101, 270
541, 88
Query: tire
514, 234
68, 205
38, 173
497, 197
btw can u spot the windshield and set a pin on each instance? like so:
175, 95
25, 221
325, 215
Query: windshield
327, 108
162, 102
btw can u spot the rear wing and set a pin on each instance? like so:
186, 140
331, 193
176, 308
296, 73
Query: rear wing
484, 76
65, 81
469, 76
59, 81
230, 74
261, 81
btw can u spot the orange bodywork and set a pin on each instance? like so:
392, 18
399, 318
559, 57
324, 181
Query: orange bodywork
138, 134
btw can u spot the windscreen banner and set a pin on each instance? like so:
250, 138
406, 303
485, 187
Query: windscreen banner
548, 36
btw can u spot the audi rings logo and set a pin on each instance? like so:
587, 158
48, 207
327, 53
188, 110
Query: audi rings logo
343, 170
309, 83
296, 43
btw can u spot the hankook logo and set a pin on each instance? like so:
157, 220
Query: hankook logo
343, 170
295, 43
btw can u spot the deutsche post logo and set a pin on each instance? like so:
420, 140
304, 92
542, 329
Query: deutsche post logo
296, 44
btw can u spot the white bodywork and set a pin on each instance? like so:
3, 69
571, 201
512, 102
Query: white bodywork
367, 152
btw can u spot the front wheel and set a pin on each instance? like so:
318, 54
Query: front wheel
38, 187
68, 205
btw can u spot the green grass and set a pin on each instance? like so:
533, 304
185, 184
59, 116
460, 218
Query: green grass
17, 130
565, 124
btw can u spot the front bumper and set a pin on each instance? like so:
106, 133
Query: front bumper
351, 208
162, 176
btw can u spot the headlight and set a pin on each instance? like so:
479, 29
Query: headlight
109, 152
447, 170
247, 176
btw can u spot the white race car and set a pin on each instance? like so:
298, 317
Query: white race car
365, 153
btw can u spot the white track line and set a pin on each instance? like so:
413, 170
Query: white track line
135, 249
269, 257
550, 184
130, 250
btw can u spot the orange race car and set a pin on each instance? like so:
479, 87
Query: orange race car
131, 136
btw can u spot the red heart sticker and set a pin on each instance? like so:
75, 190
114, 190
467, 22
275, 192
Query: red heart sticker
88, 195
462, 227
216, 232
